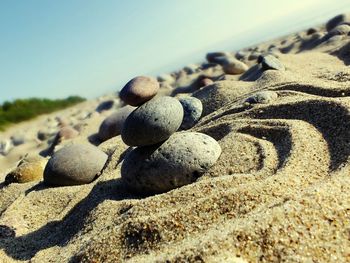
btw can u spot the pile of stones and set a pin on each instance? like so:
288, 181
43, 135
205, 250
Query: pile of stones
163, 159
163, 155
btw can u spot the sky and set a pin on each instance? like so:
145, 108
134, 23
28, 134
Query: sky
55, 49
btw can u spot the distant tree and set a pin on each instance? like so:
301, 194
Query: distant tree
24, 109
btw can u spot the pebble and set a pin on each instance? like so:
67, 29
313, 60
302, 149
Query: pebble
30, 168
192, 111
191, 68
105, 105
113, 124
66, 132
165, 78
206, 82
153, 122
271, 62
5, 147
139, 90
233, 66
311, 31
180, 160
265, 96
45, 134
216, 57
74, 164
18, 139
335, 21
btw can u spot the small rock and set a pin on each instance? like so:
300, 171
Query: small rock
105, 105
5, 147
180, 160
311, 31
241, 55
192, 112
233, 66
206, 82
46, 134
74, 165
139, 90
62, 121
271, 62
29, 169
113, 124
335, 21
152, 122
17, 139
265, 96
165, 78
191, 68
66, 132
215, 57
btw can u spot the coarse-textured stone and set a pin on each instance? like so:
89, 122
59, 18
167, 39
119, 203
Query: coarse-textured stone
178, 161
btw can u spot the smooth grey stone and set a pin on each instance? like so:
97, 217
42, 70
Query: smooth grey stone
271, 62
153, 122
193, 109
265, 96
113, 124
74, 165
178, 161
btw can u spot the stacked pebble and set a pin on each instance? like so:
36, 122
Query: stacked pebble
163, 159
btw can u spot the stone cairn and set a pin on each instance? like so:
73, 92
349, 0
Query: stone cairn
163, 159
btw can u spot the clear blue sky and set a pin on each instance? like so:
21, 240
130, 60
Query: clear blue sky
89, 47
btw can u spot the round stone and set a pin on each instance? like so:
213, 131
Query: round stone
153, 122
206, 82
265, 96
105, 105
271, 62
139, 90
233, 66
29, 169
192, 111
113, 124
215, 57
74, 165
180, 160
18, 139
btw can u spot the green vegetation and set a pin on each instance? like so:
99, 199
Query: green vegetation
25, 109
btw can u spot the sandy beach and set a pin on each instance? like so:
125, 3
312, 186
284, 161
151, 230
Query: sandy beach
279, 192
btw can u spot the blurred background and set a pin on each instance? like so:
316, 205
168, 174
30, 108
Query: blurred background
54, 49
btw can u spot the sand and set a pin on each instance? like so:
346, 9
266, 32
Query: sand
280, 191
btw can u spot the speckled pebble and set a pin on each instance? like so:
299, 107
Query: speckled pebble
192, 112
74, 164
271, 62
180, 160
139, 90
153, 122
265, 96
29, 169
